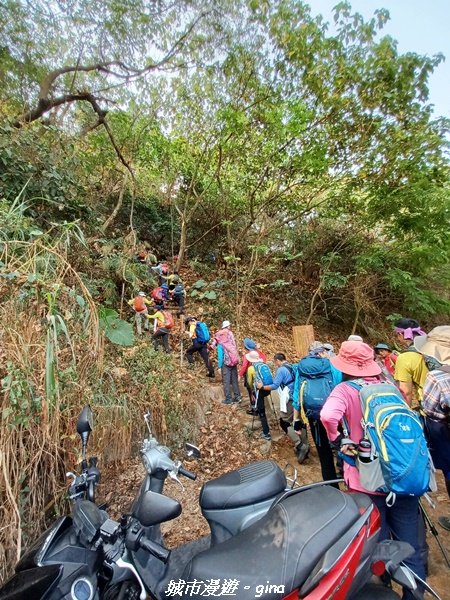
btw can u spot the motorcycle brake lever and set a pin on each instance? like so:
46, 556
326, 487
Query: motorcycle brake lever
71, 475
126, 565
173, 476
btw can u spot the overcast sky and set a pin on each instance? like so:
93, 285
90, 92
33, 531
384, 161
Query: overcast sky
418, 26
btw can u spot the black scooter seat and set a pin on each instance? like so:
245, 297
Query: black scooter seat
281, 549
253, 483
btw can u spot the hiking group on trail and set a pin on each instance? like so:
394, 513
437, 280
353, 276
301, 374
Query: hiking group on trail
378, 419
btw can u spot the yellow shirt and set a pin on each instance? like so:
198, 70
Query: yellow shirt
251, 375
411, 367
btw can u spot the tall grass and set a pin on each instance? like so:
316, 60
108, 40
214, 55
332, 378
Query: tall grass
53, 360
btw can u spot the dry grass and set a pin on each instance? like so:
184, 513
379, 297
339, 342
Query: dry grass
53, 361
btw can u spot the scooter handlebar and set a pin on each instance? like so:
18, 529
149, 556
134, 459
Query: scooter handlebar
156, 549
186, 473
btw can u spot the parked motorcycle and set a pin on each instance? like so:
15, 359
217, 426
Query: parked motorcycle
268, 540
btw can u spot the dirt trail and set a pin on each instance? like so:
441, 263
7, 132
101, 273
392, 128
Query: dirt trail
227, 441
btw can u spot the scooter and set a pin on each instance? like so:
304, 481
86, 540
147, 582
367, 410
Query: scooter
268, 540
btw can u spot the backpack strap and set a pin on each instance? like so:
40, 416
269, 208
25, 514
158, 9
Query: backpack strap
444, 368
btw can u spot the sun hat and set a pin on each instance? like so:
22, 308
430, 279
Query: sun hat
330, 349
382, 346
354, 338
253, 356
249, 344
436, 344
142, 294
356, 359
225, 324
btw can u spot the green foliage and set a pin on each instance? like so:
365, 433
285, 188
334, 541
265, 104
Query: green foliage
116, 330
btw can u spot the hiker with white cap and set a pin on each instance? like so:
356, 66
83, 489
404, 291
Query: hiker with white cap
228, 360
258, 376
436, 401
139, 303
400, 519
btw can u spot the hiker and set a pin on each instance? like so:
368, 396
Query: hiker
401, 519
315, 378
176, 293
436, 402
249, 345
387, 356
163, 323
284, 382
140, 303
330, 349
259, 376
228, 360
158, 296
161, 269
410, 367
199, 334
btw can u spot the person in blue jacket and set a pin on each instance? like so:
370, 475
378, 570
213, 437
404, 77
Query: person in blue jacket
315, 378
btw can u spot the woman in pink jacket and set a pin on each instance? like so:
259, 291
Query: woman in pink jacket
401, 520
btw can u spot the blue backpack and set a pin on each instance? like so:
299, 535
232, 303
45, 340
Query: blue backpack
202, 332
397, 438
313, 385
263, 373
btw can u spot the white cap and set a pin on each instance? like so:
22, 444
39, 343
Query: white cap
225, 324
354, 338
141, 294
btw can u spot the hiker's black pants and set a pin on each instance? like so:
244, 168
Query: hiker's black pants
324, 450
179, 299
162, 335
202, 349
260, 408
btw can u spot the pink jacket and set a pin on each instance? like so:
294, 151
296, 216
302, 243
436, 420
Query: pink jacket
344, 402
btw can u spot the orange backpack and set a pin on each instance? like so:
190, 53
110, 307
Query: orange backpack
168, 319
139, 304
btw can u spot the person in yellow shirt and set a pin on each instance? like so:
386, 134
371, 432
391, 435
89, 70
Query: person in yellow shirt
410, 368
140, 303
163, 323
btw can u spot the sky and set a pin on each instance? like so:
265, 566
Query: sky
419, 26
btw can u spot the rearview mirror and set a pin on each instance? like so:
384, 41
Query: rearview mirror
192, 451
85, 425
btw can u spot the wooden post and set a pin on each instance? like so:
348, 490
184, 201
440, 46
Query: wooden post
303, 337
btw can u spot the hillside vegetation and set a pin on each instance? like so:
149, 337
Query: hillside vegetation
295, 174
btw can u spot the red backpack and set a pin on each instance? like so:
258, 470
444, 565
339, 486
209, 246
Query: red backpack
139, 304
168, 319
158, 294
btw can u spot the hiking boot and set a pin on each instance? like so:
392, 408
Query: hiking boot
237, 400
210, 374
444, 522
302, 451
252, 412
227, 402
265, 436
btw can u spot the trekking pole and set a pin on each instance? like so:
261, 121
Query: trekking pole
182, 339
434, 532
273, 409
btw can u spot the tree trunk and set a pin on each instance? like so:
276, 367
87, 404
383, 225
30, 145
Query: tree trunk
118, 206
183, 238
